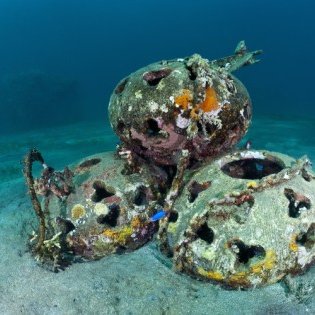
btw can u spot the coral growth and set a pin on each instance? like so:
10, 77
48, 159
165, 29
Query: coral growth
185, 99
77, 212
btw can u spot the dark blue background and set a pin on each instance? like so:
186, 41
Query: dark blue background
97, 42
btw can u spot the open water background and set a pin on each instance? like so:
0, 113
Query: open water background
61, 59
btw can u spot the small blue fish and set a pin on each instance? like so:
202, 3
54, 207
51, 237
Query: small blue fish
259, 167
248, 145
158, 216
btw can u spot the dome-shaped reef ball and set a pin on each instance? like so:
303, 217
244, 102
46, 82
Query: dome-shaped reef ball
190, 104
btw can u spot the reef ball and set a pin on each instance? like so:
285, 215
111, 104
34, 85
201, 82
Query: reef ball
108, 212
189, 104
245, 220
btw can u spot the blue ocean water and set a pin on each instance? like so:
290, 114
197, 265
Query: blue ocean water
60, 61
74, 52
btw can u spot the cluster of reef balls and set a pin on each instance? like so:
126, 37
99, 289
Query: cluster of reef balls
241, 218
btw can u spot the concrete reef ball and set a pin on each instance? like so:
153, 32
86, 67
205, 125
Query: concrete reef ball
245, 220
109, 212
190, 104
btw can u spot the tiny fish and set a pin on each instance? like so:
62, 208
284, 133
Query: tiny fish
158, 216
248, 145
259, 167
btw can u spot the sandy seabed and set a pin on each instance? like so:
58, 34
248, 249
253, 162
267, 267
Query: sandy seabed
141, 282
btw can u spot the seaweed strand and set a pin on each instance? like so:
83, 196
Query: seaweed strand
32, 156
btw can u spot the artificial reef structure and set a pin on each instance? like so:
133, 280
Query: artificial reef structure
183, 104
238, 217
